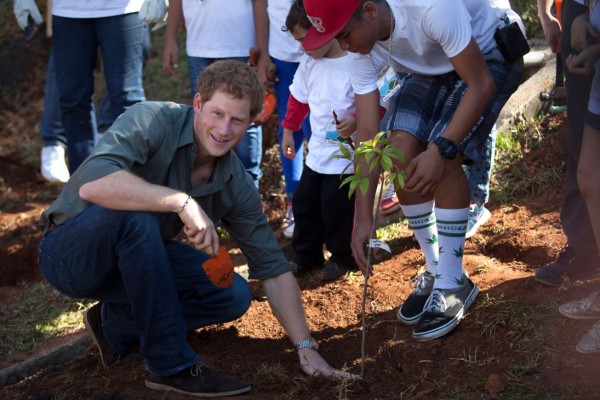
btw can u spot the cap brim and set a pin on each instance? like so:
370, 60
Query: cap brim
314, 39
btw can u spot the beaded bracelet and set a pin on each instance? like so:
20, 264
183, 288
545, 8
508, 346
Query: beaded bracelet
185, 203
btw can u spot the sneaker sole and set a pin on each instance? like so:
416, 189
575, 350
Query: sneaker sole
166, 388
390, 210
547, 282
448, 327
583, 351
406, 320
572, 316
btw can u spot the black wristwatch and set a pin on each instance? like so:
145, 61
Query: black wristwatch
308, 343
446, 147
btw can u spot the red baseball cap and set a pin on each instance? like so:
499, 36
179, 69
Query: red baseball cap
328, 18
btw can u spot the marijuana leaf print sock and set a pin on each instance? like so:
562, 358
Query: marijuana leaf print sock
421, 220
451, 227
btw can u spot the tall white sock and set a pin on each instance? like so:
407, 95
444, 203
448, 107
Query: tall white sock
421, 220
451, 227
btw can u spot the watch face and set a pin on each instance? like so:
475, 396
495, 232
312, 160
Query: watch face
447, 148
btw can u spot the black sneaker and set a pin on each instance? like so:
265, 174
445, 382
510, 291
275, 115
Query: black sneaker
200, 381
444, 310
300, 270
332, 271
414, 306
93, 323
569, 265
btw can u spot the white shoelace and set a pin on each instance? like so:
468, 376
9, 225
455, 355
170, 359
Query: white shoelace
419, 282
436, 302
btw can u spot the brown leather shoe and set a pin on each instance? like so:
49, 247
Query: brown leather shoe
93, 323
198, 380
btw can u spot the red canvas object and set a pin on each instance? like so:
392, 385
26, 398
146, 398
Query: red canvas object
219, 269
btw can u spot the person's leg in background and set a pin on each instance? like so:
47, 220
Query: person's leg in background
75, 55
121, 39
249, 150
105, 115
478, 174
579, 258
53, 165
292, 169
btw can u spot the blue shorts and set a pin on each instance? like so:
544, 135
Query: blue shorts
424, 105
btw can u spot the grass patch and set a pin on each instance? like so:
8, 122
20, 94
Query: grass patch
514, 173
36, 315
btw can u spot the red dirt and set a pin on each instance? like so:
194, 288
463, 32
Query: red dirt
489, 353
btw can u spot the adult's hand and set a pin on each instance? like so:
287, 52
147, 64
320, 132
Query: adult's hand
23, 9
154, 12
314, 365
199, 228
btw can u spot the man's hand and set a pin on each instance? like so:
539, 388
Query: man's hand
170, 57
424, 172
198, 228
23, 9
314, 365
154, 12
552, 32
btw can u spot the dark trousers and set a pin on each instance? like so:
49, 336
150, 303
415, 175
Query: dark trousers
323, 214
574, 216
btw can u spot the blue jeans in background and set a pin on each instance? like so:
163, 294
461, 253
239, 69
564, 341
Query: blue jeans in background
153, 291
76, 41
479, 171
249, 150
292, 169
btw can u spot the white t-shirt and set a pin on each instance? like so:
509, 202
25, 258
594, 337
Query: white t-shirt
324, 85
426, 34
282, 45
218, 29
94, 8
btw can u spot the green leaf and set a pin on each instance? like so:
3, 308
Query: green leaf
386, 162
364, 186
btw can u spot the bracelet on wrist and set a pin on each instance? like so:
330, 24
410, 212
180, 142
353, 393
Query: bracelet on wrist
308, 343
185, 203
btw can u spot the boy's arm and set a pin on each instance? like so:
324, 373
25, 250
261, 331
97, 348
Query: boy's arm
367, 119
550, 25
261, 29
170, 50
424, 172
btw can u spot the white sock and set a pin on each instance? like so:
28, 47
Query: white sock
421, 220
451, 227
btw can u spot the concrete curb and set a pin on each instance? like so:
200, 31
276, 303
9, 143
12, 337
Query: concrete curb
59, 355
525, 101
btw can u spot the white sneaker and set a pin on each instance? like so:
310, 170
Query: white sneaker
477, 217
54, 168
288, 231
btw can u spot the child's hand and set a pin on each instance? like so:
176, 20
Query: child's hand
584, 62
583, 33
346, 127
287, 144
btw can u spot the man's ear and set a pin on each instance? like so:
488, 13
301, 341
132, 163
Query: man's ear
197, 102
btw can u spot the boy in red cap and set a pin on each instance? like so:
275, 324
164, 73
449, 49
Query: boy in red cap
455, 80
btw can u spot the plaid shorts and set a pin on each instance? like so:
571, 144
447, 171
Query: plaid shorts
424, 105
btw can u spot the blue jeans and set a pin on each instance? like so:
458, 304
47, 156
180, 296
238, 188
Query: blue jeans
292, 169
249, 150
153, 291
76, 41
